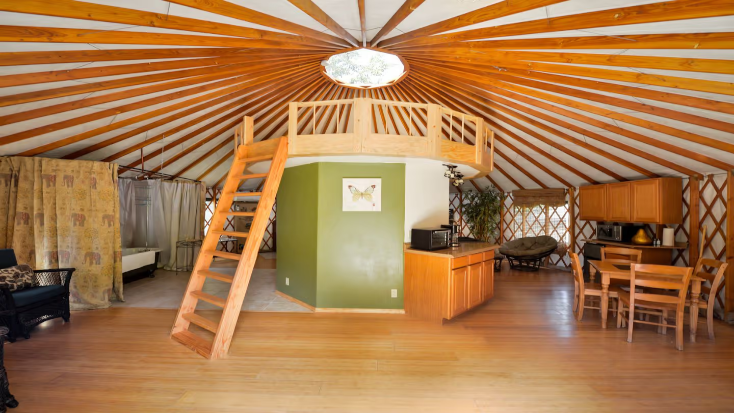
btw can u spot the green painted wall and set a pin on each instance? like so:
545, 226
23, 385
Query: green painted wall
360, 254
296, 231
337, 259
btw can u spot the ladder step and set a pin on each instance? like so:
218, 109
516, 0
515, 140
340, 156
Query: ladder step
194, 342
202, 322
251, 176
227, 255
212, 299
236, 194
256, 158
232, 233
217, 275
240, 214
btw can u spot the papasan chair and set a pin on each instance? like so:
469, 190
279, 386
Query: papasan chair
525, 254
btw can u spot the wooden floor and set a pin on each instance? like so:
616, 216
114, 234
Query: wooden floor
522, 352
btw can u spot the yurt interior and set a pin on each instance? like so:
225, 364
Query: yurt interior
292, 206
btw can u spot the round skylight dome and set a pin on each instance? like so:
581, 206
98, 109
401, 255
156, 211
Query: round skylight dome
365, 68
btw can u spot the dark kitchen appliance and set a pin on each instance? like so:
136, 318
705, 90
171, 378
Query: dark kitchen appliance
430, 239
591, 252
454, 238
614, 232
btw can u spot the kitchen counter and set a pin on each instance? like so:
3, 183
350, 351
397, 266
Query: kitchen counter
678, 245
464, 249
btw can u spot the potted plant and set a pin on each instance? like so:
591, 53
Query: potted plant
481, 211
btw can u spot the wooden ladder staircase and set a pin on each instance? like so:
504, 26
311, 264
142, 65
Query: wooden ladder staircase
246, 152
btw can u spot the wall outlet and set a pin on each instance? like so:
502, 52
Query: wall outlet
394, 293
287, 281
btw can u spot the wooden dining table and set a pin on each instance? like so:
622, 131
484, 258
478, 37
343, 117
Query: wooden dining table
609, 270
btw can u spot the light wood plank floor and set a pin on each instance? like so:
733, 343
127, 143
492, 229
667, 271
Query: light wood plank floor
522, 352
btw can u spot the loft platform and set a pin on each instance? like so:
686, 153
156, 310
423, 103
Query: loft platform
389, 131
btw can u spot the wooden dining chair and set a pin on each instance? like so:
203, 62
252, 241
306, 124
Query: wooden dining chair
619, 255
716, 281
662, 277
583, 290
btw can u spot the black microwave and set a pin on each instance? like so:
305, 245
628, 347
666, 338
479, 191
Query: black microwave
430, 239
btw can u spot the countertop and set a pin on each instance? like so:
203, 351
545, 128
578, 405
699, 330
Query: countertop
678, 245
465, 248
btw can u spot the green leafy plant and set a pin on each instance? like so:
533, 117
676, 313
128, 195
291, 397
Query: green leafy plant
481, 211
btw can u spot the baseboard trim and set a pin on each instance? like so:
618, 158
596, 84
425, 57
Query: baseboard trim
361, 310
295, 300
340, 310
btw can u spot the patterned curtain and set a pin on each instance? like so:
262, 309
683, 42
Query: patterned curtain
58, 214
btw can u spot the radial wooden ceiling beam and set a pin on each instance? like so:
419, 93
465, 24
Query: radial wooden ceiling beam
493, 11
494, 183
236, 11
310, 8
60, 35
99, 12
362, 22
83, 56
403, 12
648, 13
667, 41
508, 176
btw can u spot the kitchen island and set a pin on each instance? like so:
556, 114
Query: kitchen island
440, 285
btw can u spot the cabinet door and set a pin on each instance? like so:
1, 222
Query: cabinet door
646, 201
592, 202
474, 291
457, 293
487, 280
618, 202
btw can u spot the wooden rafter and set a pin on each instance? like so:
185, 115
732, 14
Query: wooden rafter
362, 21
310, 8
404, 11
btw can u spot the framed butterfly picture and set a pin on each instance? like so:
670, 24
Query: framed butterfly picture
362, 194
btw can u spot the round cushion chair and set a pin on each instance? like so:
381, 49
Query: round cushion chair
525, 254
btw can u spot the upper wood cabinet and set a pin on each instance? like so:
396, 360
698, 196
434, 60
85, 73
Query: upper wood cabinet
593, 202
619, 207
653, 201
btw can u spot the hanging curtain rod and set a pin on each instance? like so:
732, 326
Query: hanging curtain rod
152, 174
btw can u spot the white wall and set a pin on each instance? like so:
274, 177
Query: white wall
426, 196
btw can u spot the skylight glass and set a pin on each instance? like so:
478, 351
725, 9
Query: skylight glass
365, 68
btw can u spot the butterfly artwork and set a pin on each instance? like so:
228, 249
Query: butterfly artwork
366, 194
362, 194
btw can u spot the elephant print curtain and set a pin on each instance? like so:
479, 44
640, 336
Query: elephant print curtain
59, 214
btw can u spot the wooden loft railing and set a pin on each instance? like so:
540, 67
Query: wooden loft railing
388, 128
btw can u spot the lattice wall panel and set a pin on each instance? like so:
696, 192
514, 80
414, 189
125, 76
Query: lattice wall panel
584, 229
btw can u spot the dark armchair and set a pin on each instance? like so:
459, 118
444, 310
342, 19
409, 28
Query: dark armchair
22, 310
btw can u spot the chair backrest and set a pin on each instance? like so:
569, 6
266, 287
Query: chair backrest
716, 278
663, 277
7, 258
578, 273
619, 255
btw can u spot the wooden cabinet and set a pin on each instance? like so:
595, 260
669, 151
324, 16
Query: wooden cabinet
593, 202
652, 201
458, 287
487, 280
619, 205
646, 201
474, 292
440, 287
